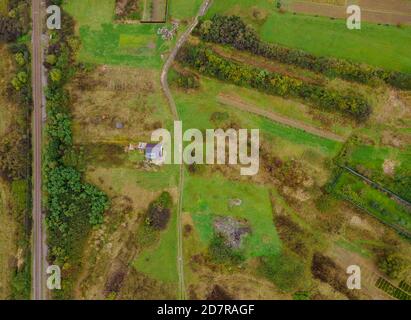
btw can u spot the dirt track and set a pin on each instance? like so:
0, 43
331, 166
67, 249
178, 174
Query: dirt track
166, 89
376, 11
38, 237
237, 103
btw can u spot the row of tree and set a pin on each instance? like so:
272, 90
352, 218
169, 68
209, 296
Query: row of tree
208, 62
231, 30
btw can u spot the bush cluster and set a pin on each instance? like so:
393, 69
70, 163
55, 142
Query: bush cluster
16, 23
159, 212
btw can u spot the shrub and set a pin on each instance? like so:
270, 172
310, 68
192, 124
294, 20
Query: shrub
285, 271
220, 252
13, 155
392, 265
159, 211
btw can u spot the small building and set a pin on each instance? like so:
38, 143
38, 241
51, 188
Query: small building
155, 153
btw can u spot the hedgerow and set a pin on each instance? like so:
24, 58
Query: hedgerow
208, 62
231, 30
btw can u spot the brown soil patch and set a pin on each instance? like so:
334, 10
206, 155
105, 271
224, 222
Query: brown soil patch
389, 167
390, 12
398, 6
394, 107
320, 9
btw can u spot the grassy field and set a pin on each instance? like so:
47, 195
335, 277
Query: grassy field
104, 42
197, 108
7, 110
7, 244
4, 7
373, 157
372, 161
8, 247
208, 197
130, 95
159, 262
375, 202
183, 9
382, 46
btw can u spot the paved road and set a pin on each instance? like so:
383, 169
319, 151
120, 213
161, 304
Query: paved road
37, 253
167, 92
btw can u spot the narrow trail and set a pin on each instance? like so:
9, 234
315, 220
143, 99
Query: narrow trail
238, 104
166, 89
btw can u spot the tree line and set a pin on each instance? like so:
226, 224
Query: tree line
209, 63
231, 30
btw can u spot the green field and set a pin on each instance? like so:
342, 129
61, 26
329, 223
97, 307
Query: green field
208, 197
4, 7
370, 161
105, 42
373, 157
383, 46
353, 189
159, 261
196, 110
183, 9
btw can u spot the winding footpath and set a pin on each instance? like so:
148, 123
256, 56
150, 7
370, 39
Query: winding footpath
166, 89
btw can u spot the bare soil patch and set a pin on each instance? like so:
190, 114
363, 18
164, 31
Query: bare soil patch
390, 12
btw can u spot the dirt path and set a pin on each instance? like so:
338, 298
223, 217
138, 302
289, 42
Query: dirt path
382, 14
166, 89
38, 253
237, 103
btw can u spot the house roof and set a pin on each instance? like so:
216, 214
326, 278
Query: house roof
154, 151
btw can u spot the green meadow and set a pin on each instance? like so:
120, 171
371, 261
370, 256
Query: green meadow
4, 7
106, 42
183, 9
387, 47
379, 45
208, 197
373, 157
384, 208
196, 109
370, 161
159, 261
